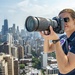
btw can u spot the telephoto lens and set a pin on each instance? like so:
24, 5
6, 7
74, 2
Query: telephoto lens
41, 24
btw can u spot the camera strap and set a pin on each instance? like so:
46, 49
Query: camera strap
67, 44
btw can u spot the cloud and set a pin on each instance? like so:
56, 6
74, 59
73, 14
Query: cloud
66, 4
11, 11
35, 7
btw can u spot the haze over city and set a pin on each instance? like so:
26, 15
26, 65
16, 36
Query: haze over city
22, 52
16, 11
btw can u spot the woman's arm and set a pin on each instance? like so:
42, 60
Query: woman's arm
66, 63
48, 46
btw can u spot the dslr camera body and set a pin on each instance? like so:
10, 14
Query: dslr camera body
41, 24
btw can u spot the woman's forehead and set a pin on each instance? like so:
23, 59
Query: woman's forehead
64, 15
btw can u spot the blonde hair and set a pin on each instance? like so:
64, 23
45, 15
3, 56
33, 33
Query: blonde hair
70, 11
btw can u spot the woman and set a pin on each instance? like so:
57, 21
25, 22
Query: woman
65, 57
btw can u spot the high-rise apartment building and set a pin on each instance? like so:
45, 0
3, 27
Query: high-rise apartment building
9, 59
4, 48
20, 52
8, 65
16, 67
3, 65
14, 51
43, 60
27, 49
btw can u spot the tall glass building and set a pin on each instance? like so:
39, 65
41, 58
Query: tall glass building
5, 27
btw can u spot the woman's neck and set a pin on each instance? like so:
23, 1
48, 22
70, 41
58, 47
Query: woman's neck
69, 33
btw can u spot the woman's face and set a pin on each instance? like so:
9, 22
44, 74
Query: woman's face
69, 24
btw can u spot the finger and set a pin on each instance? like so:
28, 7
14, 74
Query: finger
46, 32
41, 33
51, 29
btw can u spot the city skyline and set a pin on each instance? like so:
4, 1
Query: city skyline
16, 11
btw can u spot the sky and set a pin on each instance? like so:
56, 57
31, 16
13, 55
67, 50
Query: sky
16, 11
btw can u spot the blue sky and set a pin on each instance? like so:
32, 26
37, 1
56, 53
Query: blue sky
16, 11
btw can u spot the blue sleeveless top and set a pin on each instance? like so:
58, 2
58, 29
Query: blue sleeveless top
71, 48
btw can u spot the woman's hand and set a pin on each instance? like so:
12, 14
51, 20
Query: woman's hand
51, 36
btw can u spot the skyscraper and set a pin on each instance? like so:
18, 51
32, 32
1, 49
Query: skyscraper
13, 30
18, 29
2, 29
5, 27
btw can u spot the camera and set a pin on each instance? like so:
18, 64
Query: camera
41, 24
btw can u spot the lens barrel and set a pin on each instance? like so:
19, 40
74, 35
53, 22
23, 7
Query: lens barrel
42, 24
39, 23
